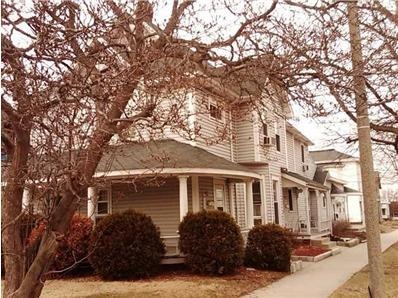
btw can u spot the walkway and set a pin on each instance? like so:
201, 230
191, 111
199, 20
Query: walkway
319, 280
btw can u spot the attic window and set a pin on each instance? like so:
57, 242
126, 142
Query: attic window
215, 111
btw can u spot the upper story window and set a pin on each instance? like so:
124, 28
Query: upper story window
278, 142
302, 153
215, 111
265, 136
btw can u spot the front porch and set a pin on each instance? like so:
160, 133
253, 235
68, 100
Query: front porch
306, 205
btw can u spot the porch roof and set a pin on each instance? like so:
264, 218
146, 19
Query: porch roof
165, 156
304, 180
342, 190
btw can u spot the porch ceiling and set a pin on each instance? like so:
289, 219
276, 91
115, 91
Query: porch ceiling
166, 157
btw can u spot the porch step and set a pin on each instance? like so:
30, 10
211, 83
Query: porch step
323, 242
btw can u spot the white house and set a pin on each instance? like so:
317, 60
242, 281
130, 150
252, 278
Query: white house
344, 177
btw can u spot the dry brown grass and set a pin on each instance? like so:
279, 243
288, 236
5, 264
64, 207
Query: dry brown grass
171, 284
357, 285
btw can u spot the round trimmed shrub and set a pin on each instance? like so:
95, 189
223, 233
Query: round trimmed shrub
269, 247
212, 242
126, 245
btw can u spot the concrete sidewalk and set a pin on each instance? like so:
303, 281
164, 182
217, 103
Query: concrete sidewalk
321, 279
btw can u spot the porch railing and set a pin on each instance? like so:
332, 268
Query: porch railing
171, 243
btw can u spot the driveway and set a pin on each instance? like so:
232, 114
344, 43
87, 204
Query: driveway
321, 279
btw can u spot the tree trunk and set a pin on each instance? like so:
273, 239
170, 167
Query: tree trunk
12, 244
369, 187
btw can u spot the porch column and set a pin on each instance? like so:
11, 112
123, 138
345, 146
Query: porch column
183, 196
249, 204
264, 214
319, 206
195, 194
26, 198
306, 197
91, 202
232, 199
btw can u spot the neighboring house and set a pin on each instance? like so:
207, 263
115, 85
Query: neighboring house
343, 173
307, 202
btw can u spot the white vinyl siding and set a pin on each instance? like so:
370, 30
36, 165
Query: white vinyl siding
244, 135
214, 135
291, 216
160, 203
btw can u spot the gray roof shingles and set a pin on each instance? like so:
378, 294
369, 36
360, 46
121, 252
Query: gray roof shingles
329, 155
160, 154
305, 179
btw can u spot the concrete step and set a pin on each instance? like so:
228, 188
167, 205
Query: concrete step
329, 244
336, 250
320, 241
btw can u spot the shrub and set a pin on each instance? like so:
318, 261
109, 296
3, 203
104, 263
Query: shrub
269, 247
340, 228
212, 242
74, 246
126, 245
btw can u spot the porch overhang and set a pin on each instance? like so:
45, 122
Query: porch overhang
167, 158
296, 180
178, 171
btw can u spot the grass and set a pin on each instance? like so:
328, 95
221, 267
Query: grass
180, 283
357, 285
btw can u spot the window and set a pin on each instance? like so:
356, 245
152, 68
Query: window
215, 111
278, 142
290, 198
264, 135
383, 211
323, 200
219, 197
265, 130
257, 202
275, 197
103, 206
302, 153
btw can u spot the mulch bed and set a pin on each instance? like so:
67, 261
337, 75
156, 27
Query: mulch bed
309, 251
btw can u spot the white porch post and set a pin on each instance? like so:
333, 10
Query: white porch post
26, 198
231, 199
195, 194
306, 197
249, 204
183, 196
319, 205
264, 214
91, 202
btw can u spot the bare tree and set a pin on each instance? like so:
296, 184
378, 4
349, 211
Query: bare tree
77, 77
322, 74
